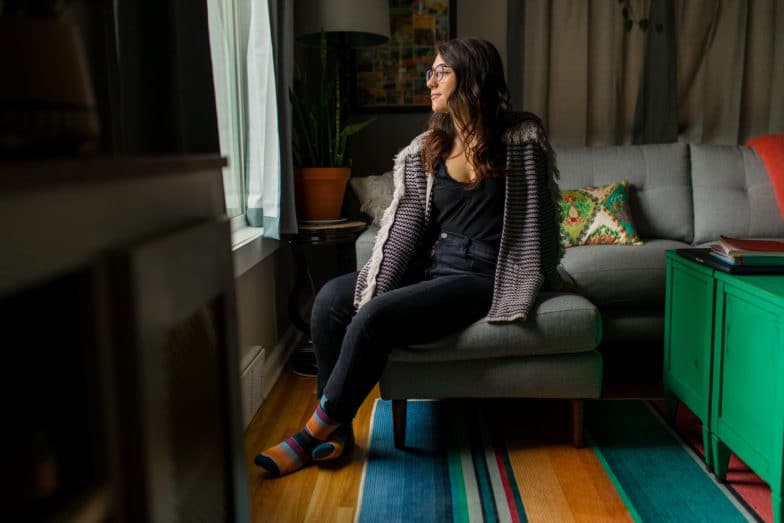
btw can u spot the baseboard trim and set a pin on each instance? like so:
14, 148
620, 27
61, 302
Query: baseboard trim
276, 361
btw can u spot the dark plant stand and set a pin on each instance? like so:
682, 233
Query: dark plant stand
313, 237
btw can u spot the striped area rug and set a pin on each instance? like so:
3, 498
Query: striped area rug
500, 461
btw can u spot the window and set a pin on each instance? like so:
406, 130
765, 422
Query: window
229, 42
246, 101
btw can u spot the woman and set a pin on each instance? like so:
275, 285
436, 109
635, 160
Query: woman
472, 231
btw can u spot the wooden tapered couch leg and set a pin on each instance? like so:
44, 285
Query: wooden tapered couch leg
399, 422
577, 423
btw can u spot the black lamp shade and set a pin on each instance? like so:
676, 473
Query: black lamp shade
356, 23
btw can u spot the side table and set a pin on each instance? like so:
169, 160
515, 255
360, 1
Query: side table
724, 358
314, 236
747, 397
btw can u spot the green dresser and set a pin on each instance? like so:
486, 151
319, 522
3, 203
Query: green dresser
688, 339
724, 358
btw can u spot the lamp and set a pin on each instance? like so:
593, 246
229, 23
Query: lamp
352, 23
321, 116
344, 24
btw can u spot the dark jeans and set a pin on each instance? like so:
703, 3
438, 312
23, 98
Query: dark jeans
352, 349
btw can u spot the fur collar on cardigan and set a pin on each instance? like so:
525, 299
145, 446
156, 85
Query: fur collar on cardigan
521, 129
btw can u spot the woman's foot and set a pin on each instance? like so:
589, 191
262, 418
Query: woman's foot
340, 442
295, 452
287, 456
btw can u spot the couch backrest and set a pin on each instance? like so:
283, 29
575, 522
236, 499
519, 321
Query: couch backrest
659, 180
732, 194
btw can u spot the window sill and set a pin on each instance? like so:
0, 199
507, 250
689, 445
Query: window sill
249, 248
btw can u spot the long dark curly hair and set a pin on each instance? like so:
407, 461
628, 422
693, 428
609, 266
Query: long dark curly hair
479, 105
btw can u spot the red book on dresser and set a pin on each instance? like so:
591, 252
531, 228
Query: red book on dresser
740, 246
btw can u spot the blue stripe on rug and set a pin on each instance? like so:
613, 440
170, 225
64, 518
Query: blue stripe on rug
651, 468
406, 485
450, 470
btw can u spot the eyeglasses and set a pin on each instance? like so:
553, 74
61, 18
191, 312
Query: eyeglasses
437, 71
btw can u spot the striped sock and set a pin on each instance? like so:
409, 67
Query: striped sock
295, 452
341, 441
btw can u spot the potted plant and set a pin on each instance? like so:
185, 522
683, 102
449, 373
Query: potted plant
46, 94
321, 136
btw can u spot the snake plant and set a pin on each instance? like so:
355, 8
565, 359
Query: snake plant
320, 131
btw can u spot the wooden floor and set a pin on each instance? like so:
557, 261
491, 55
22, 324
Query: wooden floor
319, 493
329, 493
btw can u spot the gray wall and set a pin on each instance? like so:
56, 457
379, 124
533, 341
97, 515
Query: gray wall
261, 305
262, 318
373, 149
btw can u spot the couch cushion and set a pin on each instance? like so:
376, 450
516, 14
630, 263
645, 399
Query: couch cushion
374, 194
732, 194
626, 325
660, 186
560, 323
597, 216
364, 245
576, 375
620, 275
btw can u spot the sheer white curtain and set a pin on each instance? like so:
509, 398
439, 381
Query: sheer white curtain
229, 102
720, 80
247, 102
264, 169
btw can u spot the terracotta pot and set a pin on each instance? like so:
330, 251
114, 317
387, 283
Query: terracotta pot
319, 191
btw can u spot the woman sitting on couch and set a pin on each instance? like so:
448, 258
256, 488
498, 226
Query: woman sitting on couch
472, 231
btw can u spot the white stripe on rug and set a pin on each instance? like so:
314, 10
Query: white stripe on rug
473, 500
499, 493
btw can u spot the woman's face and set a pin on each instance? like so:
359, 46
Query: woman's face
441, 83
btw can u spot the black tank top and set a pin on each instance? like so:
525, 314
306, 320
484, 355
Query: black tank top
476, 213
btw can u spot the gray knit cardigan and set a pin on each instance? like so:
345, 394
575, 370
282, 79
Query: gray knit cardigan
530, 249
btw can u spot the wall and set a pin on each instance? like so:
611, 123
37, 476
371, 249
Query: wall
262, 321
374, 148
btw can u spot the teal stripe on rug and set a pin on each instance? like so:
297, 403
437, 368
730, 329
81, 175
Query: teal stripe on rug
455, 441
486, 497
406, 485
656, 474
457, 489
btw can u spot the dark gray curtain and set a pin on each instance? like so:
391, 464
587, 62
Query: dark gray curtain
656, 114
166, 100
282, 22
515, 42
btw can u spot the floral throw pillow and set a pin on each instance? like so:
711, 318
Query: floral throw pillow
597, 216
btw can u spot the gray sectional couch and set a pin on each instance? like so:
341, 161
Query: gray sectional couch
680, 196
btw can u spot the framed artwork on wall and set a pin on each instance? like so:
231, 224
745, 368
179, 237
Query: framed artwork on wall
391, 77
